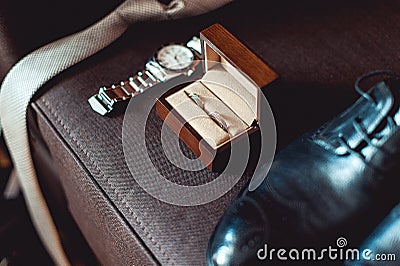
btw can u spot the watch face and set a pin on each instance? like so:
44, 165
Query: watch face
175, 57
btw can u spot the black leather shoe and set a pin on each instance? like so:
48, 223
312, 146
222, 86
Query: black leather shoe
337, 181
383, 246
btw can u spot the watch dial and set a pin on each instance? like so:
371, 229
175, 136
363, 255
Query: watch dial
175, 57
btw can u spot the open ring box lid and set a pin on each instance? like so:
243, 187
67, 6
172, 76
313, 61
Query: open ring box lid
228, 89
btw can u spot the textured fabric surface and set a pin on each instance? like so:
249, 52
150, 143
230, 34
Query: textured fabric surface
35, 69
107, 233
318, 49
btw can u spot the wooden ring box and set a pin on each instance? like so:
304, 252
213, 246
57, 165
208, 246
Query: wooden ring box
230, 84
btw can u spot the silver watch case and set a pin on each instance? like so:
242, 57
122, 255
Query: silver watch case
163, 73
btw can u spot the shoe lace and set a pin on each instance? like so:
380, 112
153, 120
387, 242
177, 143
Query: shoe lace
357, 122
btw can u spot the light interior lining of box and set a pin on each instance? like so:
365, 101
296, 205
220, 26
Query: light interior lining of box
229, 85
220, 92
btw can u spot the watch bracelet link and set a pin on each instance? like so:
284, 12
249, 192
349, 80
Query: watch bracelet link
103, 102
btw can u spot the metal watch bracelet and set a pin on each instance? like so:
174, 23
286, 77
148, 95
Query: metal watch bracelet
104, 101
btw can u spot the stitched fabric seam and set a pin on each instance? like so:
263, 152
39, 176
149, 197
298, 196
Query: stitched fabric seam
141, 225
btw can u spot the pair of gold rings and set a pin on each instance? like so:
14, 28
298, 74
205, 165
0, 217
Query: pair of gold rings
215, 116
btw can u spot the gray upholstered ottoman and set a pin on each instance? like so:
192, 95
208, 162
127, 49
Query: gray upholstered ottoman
318, 49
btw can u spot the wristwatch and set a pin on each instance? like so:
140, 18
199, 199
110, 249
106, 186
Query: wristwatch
168, 62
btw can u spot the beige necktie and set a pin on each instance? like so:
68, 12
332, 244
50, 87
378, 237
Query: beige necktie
38, 67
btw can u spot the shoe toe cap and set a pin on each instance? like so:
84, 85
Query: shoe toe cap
241, 232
